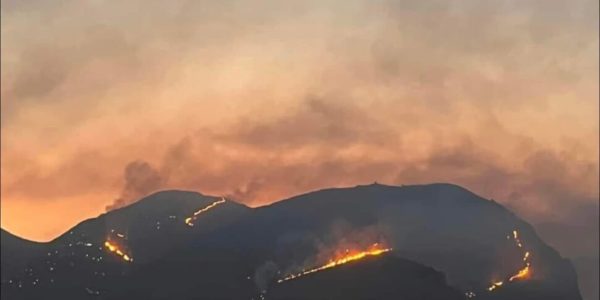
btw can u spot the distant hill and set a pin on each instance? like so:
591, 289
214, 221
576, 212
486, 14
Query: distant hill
236, 252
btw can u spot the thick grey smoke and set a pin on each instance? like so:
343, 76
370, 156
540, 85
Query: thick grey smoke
140, 180
278, 98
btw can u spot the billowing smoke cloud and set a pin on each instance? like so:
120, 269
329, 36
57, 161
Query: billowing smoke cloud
140, 180
263, 100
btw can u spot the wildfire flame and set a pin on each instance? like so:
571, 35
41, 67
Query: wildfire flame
115, 249
189, 220
523, 273
495, 285
349, 256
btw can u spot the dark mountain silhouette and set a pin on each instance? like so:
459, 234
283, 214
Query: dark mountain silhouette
385, 277
17, 252
235, 252
155, 224
583, 252
77, 264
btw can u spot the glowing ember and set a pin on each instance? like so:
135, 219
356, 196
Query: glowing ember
189, 221
517, 240
495, 285
115, 249
374, 250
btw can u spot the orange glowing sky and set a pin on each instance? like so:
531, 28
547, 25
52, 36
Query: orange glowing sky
104, 102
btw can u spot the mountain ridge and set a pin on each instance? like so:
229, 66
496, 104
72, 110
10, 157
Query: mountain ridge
152, 197
416, 220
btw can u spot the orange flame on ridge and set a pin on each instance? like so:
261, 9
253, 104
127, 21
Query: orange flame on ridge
523, 273
374, 250
115, 249
189, 220
495, 285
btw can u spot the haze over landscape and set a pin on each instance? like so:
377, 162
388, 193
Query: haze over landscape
103, 103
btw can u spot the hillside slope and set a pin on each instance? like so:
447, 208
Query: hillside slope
235, 252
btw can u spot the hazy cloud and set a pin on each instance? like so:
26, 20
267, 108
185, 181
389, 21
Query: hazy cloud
263, 100
140, 180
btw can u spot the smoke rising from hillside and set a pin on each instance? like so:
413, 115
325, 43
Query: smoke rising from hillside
260, 101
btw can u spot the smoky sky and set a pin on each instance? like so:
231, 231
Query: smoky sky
103, 102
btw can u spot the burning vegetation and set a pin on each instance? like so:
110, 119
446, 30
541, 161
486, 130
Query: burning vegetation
190, 220
114, 248
346, 257
522, 274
